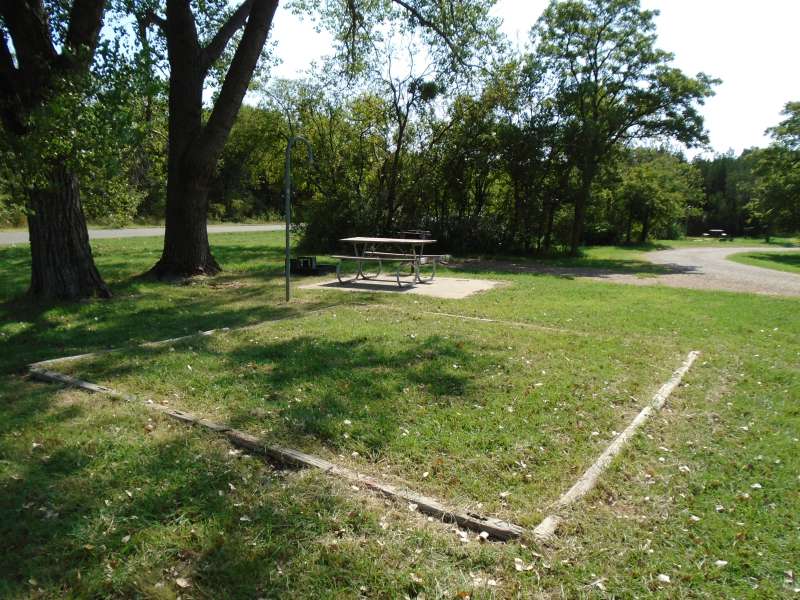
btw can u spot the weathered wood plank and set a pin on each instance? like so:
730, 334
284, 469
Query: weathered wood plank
496, 528
587, 482
175, 340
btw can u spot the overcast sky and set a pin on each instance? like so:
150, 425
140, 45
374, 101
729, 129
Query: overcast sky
753, 46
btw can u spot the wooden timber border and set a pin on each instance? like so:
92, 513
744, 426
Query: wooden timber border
496, 528
545, 531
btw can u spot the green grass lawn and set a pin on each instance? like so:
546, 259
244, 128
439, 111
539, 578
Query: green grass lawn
789, 261
102, 498
786, 242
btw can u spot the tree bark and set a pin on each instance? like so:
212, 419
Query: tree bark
645, 226
194, 147
581, 202
62, 266
186, 249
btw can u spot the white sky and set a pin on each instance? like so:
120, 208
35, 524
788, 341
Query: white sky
753, 46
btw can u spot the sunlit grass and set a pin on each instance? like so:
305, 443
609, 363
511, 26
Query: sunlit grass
101, 498
788, 261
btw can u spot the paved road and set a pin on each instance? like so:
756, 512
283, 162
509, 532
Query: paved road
21, 237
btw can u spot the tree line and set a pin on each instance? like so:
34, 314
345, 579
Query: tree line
423, 118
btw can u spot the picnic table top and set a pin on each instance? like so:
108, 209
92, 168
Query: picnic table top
380, 240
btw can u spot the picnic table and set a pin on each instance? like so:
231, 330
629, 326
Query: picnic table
375, 251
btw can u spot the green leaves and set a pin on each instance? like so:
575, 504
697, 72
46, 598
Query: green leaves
787, 132
457, 34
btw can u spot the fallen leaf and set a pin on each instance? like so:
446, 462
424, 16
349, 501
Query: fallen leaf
181, 582
520, 565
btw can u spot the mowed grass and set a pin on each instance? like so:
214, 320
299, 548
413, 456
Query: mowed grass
102, 498
788, 262
489, 416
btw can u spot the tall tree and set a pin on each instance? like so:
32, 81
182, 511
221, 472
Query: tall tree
659, 191
42, 74
613, 85
195, 145
775, 202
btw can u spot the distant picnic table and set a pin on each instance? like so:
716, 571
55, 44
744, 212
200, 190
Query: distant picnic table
718, 233
375, 251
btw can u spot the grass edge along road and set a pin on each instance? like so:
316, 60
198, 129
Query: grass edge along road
732, 426
788, 262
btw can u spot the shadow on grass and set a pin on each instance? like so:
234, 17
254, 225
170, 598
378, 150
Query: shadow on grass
126, 321
571, 267
248, 291
358, 380
103, 507
304, 388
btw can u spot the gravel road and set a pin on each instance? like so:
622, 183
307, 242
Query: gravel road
21, 237
709, 269
693, 267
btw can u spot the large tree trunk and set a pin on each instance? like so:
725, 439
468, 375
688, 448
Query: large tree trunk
62, 266
186, 249
194, 147
581, 202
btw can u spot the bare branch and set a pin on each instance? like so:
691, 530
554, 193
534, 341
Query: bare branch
237, 79
151, 18
425, 22
235, 22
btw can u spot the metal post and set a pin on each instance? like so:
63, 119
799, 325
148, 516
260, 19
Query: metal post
287, 194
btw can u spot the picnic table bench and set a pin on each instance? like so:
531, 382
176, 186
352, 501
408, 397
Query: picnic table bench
365, 252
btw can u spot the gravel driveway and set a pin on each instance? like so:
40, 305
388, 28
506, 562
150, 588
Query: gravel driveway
694, 268
709, 269
21, 237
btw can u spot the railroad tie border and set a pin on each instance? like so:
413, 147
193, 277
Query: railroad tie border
496, 528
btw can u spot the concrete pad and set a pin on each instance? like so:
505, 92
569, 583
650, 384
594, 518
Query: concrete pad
441, 287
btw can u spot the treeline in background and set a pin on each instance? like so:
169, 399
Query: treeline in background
501, 160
